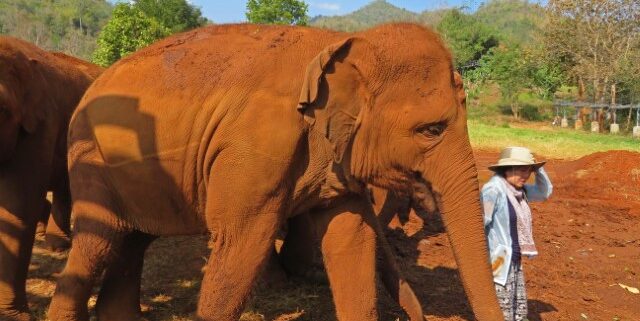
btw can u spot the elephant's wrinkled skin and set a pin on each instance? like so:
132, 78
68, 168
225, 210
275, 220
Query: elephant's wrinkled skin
38, 93
232, 129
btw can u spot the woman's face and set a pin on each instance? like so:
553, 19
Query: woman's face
518, 175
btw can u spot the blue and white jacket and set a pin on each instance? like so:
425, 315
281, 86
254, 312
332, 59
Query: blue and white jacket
496, 218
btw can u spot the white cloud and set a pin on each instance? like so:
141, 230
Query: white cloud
327, 6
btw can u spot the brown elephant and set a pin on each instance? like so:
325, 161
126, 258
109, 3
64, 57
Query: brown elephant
38, 92
231, 129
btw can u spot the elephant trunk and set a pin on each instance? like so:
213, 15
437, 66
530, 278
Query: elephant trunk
456, 187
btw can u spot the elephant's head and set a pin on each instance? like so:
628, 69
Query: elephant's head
20, 96
392, 108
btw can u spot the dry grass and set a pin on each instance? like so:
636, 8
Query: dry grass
171, 283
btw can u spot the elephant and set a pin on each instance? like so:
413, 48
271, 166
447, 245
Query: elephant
38, 92
232, 129
299, 253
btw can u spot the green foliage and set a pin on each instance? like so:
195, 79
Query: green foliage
468, 38
128, 30
516, 70
534, 108
138, 24
285, 12
70, 26
629, 80
508, 69
176, 15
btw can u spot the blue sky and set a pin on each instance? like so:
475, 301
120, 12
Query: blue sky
222, 11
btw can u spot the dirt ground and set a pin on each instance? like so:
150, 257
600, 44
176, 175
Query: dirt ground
588, 236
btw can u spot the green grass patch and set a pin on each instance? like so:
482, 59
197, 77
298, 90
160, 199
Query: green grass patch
553, 143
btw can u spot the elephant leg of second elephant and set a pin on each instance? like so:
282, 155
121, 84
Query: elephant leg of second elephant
394, 282
58, 227
119, 297
41, 226
349, 248
16, 243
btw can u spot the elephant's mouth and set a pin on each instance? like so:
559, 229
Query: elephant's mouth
423, 197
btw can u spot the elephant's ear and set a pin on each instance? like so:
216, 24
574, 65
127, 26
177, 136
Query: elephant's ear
35, 99
459, 87
331, 98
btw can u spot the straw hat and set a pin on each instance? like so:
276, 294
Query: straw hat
516, 156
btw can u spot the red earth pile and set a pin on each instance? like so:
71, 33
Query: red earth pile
609, 176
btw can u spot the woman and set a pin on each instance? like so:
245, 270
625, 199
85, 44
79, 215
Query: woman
507, 221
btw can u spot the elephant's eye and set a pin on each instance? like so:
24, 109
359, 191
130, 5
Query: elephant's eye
432, 130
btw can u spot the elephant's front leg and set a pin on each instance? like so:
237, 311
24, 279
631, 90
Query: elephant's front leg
243, 213
349, 252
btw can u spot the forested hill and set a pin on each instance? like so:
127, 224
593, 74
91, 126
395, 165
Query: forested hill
70, 26
372, 14
515, 20
518, 21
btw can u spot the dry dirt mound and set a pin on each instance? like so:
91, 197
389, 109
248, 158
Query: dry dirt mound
612, 176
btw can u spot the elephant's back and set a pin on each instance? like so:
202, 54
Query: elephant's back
226, 57
151, 114
169, 96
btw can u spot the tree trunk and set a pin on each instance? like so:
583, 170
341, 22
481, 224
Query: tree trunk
580, 88
613, 103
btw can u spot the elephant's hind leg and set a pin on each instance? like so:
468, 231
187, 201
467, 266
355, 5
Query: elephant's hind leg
348, 248
119, 297
97, 233
16, 242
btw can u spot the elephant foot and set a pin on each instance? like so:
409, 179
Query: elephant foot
41, 230
316, 275
15, 315
273, 274
119, 315
60, 315
57, 243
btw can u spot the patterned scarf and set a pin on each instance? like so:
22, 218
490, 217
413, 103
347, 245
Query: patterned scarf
523, 212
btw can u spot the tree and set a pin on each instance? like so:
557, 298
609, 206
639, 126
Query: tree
70, 26
128, 30
139, 23
467, 37
176, 15
595, 38
284, 12
507, 67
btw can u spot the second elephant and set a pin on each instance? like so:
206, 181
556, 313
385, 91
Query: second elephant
39, 91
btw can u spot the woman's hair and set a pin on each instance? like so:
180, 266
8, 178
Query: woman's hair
502, 170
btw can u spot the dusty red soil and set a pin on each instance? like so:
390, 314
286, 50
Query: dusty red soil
588, 236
